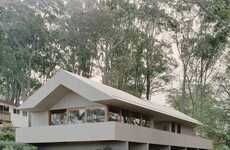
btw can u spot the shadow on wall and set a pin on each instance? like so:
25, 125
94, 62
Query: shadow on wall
104, 148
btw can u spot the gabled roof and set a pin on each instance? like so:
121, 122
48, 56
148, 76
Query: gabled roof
94, 91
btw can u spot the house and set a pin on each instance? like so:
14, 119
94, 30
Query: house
74, 113
10, 114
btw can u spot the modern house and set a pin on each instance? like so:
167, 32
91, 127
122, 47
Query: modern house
74, 113
10, 114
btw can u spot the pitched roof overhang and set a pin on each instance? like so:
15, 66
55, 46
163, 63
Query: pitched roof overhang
64, 82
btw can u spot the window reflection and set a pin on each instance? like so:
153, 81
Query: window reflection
114, 114
96, 115
145, 121
77, 116
129, 117
58, 117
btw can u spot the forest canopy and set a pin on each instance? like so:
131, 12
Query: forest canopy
139, 46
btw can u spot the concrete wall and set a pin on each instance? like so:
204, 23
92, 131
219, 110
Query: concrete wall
187, 130
18, 120
84, 146
108, 131
72, 100
39, 119
126, 132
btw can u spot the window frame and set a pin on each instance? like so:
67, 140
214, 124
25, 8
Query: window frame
56, 110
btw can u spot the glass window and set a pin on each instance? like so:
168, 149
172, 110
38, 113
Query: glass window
126, 117
135, 118
96, 115
24, 113
145, 121
77, 116
1, 108
58, 117
178, 128
6, 108
173, 127
16, 111
114, 114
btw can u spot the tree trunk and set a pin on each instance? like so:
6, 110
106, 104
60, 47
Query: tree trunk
183, 97
148, 86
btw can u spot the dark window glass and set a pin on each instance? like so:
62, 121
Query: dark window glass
178, 128
165, 127
58, 117
145, 122
16, 111
6, 108
1, 108
24, 113
173, 127
114, 114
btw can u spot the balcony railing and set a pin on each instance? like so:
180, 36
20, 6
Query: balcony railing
5, 117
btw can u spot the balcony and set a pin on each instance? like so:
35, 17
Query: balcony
5, 117
107, 131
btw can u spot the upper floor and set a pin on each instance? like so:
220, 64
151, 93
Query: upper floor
75, 109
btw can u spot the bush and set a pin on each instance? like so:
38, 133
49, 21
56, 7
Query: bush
14, 146
7, 140
7, 133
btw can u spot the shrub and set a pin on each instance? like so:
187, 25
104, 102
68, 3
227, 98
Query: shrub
7, 140
14, 146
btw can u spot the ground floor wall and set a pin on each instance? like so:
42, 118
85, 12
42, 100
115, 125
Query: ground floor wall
109, 145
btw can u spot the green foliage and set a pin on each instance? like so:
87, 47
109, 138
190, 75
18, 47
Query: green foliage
124, 41
7, 138
83, 37
7, 133
14, 146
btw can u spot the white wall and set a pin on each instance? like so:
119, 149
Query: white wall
72, 100
40, 118
18, 120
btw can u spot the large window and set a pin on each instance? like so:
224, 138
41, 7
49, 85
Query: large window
77, 116
129, 117
4, 108
145, 121
114, 114
96, 115
58, 117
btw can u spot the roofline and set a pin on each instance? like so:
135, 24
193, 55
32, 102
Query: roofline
101, 92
